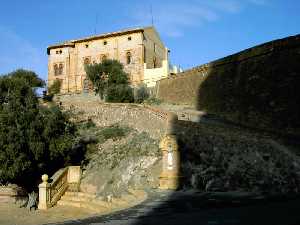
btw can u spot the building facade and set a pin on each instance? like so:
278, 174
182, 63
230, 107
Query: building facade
141, 51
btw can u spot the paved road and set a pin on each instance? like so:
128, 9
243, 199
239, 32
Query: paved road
189, 208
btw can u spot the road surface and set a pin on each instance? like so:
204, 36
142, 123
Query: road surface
190, 208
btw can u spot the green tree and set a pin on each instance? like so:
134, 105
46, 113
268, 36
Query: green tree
34, 139
110, 81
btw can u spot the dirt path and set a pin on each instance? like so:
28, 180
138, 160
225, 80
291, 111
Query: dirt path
11, 214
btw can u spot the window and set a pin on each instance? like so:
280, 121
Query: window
55, 67
129, 38
86, 45
59, 52
154, 62
104, 42
86, 61
128, 57
58, 69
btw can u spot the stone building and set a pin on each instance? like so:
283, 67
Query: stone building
140, 50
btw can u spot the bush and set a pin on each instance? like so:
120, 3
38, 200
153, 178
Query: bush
141, 94
114, 132
153, 101
120, 93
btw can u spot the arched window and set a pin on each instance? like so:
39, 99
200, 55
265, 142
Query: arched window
60, 69
128, 57
154, 62
56, 70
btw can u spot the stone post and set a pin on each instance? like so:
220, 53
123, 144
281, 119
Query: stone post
170, 175
74, 174
44, 191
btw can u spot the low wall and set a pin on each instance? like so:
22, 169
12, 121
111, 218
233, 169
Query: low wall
258, 87
11, 193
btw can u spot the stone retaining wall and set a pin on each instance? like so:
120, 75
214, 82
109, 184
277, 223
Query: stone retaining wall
11, 193
258, 87
142, 118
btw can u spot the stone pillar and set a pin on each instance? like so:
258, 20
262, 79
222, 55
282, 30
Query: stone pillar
74, 174
170, 175
44, 198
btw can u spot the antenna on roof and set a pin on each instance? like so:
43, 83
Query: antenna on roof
152, 23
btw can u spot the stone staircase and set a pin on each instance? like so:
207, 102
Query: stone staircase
85, 200
64, 190
98, 204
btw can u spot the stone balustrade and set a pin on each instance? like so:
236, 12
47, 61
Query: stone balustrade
50, 192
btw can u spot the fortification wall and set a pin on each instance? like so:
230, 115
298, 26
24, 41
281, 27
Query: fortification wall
258, 87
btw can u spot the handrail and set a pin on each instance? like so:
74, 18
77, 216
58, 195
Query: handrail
59, 185
50, 193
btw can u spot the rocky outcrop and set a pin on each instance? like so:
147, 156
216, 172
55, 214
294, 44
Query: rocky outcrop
118, 165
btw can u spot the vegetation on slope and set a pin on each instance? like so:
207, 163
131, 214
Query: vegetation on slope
34, 139
217, 158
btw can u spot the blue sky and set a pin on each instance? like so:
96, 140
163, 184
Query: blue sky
196, 31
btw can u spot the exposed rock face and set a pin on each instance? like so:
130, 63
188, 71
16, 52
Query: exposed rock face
117, 165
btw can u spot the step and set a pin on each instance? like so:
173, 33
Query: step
93, 206
80, 194
77, 198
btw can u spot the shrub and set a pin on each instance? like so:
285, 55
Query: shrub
114, 132
120, 93
153, 101
141, 94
